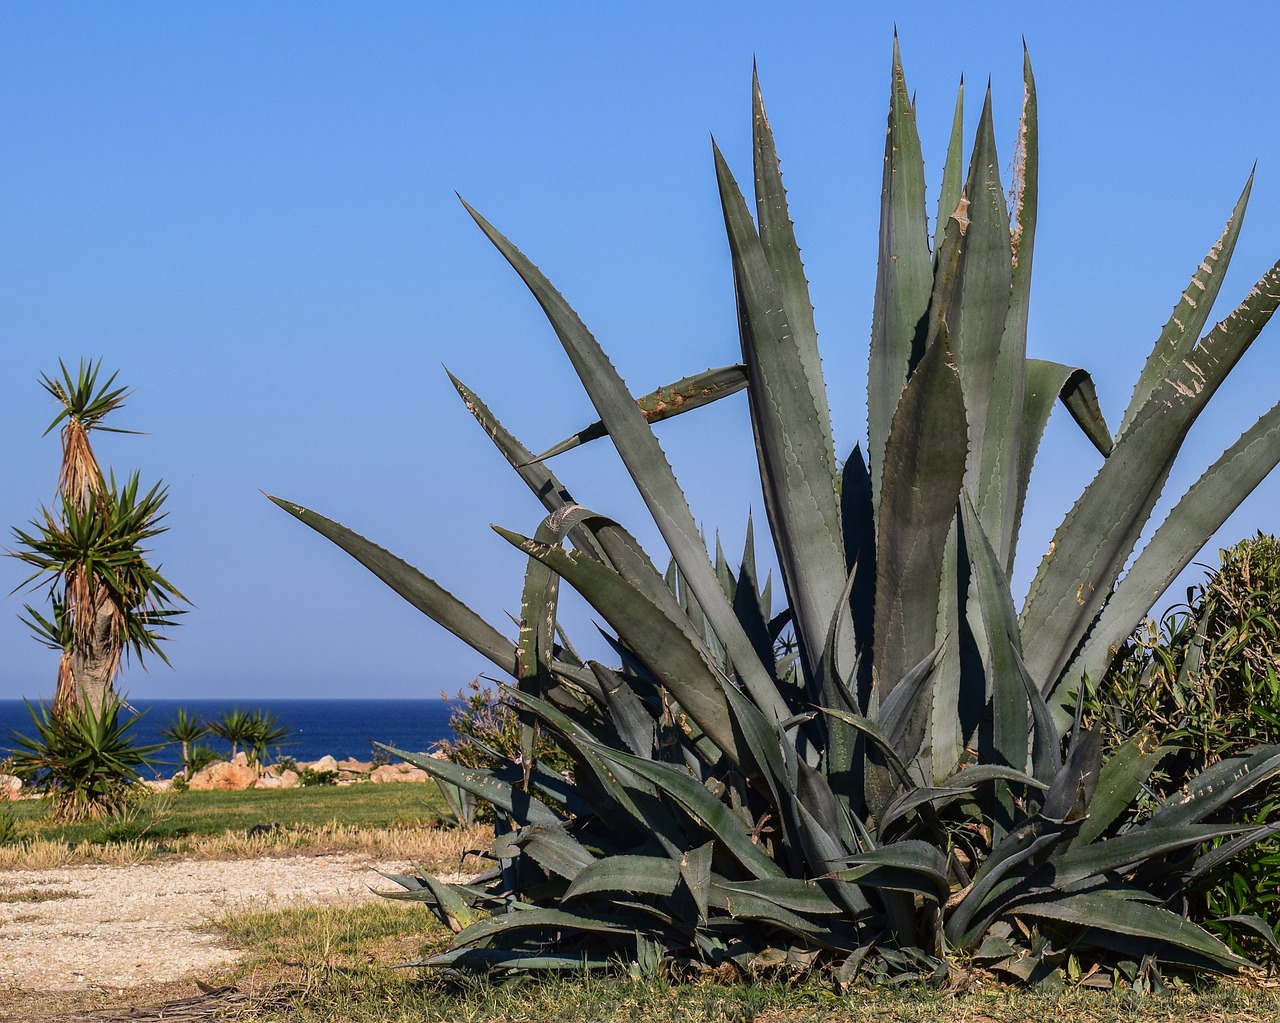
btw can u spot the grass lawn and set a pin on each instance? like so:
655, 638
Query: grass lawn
395, 818
324, 965
330, 964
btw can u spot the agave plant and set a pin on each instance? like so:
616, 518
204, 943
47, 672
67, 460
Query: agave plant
901, 789
88, 759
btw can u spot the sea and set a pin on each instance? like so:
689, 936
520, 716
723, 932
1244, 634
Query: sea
338, 728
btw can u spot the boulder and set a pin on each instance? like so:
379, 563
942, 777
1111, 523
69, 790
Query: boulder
224, 776
353, 766
397, 772
325, 763
10, 787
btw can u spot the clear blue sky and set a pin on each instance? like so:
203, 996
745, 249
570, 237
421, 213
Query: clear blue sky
248, 210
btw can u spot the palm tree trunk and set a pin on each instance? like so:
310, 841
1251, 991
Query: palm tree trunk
93, 670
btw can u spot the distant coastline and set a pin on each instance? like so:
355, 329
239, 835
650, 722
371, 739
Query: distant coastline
340, 728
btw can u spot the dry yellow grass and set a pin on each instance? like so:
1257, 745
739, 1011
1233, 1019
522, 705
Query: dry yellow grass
440, 849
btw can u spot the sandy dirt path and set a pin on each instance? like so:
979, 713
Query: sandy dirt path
109, 928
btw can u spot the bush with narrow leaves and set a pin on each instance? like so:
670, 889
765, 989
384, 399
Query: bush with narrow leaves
897, 799
88, 760
1206, 680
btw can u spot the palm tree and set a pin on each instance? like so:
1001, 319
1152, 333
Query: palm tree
185, 731
265, 730
107, 599
234, 726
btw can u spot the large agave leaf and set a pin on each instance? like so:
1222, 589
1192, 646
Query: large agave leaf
911, 866
633, 720
1195, 518
1190, 314
647, 875
658, 641
1109, 914
1098, 534
1121, 779
923, 472
542, 920
534, 654
959, 699
624, 802
1081, 862
685, 395
486, 959
777, 901
1010, 734
704, 807
624, 555
792, 430
423, 593
778, 240
510, 799
598, 536
904, 276
895, 715
1000, 872
548, 845
1001, 477
648, 466
1219, 787
976, 313
857, 519
749, 602
884, 746
549, 491
952, 172
1045, 383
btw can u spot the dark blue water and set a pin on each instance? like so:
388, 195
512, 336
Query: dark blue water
340, 728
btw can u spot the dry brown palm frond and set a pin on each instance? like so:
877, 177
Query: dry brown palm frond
80, 476
64, 695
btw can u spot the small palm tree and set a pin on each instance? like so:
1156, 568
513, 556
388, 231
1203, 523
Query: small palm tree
234, 726
266, 731
107, 599
184, 730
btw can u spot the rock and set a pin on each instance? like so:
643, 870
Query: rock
397, 772
224, 777
289, 779
10, 787
325, 763
158, 784
354, 766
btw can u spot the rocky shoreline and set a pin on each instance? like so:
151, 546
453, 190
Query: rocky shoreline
238, 774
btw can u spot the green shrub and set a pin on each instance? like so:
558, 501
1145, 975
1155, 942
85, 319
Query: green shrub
201, 756
140, 812
488, 733
308, 776
89, 761
1205, 681
897, 801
